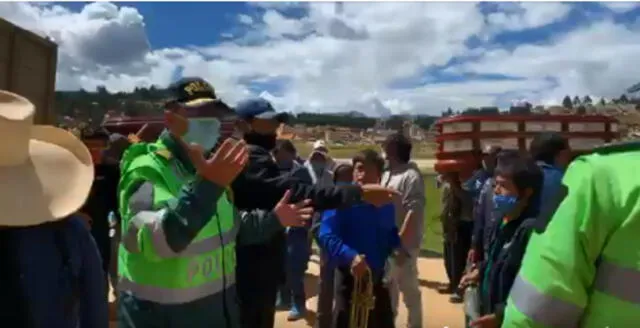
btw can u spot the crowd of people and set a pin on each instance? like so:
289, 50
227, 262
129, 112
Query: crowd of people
212, 225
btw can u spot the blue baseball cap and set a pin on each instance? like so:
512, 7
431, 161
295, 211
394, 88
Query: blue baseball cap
259, 108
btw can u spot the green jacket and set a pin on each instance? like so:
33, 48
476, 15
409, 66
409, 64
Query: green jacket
179, 232
584, 269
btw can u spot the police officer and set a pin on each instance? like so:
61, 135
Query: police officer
179, 225
582, 269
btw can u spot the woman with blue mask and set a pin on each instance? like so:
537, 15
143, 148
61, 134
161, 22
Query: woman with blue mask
518, 182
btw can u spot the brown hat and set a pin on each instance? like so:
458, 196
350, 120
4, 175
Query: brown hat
46, 172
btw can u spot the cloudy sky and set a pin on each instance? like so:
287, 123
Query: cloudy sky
371, 57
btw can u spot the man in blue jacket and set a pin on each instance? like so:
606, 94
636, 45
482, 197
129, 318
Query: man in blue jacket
552, 153
359, 240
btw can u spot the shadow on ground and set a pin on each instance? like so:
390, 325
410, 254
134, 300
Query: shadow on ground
432, 284
428, 254
310, 285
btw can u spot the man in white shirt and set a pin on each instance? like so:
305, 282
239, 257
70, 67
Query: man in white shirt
405, 177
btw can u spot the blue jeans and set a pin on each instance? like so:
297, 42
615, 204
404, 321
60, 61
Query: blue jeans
298, 253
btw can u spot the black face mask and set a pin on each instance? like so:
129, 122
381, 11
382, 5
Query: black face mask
266, 141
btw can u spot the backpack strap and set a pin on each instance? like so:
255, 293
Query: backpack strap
63, 248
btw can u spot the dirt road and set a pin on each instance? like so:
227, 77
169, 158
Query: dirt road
438, 312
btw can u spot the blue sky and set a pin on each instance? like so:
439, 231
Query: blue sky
329, 57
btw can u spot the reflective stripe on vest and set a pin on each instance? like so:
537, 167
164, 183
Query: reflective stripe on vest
175, 295
152, 221
611, 279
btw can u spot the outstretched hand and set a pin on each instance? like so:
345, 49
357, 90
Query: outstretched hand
224, 165
176, 124
293, 215
220, 168
378, 195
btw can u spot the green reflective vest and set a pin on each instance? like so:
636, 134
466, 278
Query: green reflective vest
584, 269
147, 267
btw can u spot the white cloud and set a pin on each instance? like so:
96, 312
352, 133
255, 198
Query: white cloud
245, 19
342, 57
597, 60
526, 15
621, 7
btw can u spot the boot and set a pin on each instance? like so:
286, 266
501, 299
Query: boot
283, 300
298, 310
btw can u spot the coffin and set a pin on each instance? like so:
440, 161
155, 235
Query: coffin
460, 139
148, 128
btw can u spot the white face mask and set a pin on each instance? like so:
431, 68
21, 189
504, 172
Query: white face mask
203, 131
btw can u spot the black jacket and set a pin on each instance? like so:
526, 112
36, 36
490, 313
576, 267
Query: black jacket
102, 200
260, 186
506, 252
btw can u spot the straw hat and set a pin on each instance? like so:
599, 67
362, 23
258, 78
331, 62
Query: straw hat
46, 172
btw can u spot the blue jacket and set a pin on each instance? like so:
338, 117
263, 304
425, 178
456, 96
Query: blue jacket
360, 229
52, 277
499, 270
551, 184
484, 219
474, 184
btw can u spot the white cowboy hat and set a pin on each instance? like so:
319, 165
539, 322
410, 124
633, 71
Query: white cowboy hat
45, 172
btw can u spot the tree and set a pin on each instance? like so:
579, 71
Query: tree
581, 110
102, 90
603, 101
623, 99
587, 100
576, 101
566, 102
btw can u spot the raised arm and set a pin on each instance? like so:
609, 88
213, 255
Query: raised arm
262, 176
160, 225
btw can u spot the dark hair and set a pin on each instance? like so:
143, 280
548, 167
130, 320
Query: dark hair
506, 155
546, 146
402, 146
369, 156
525, 174
338, 170
285, 145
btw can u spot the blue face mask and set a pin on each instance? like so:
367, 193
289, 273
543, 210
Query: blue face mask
504, 205
203, 131
344, 183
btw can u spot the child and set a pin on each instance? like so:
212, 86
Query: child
342, 175
359, 240
518, 181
